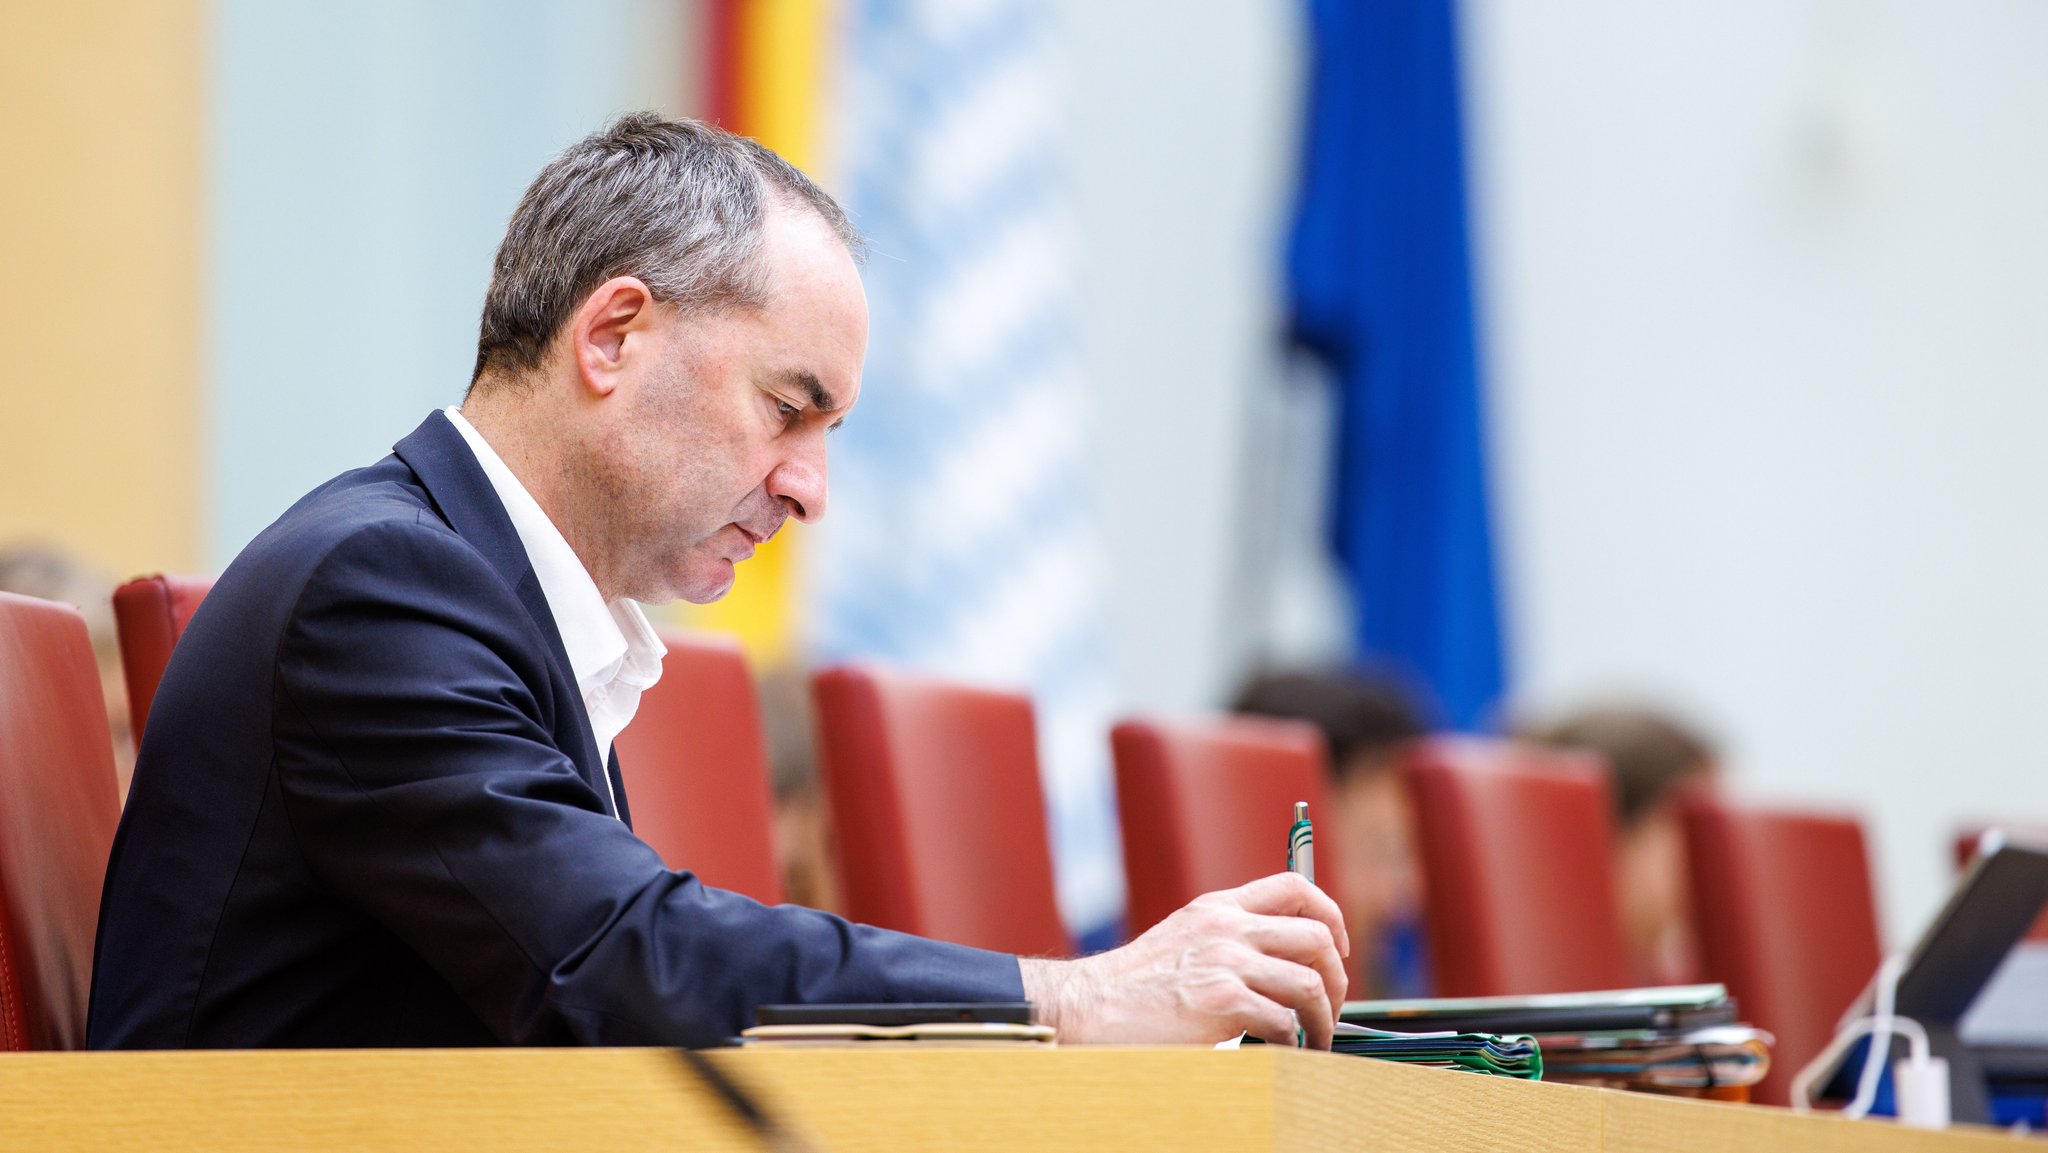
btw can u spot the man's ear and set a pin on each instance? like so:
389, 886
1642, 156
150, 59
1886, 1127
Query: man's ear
609, 330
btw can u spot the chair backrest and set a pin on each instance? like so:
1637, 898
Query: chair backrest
150, 614
1784, 915
1206, 805
58, 809
696, 768
937, 809
1516, 848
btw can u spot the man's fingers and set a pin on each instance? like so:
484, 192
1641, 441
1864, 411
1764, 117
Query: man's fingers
1271, 1023
1303, 942
1295, 987
1292, 895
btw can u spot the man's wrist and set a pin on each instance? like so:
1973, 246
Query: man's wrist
1061, 992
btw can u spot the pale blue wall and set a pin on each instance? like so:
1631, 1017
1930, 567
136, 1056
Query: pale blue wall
364, 159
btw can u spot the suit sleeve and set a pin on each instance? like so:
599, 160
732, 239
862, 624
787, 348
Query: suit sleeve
418, 772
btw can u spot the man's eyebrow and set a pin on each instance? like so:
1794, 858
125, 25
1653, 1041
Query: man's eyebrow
814, 390
809, 385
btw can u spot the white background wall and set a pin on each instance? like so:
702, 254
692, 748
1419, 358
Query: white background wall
1768, 333
1184, 138
363, 161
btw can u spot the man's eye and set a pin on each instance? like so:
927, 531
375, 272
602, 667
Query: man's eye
784, 409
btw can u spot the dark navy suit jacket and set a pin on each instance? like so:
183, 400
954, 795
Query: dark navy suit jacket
369, 811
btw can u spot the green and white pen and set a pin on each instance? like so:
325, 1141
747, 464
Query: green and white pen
1301, 844
1301, 858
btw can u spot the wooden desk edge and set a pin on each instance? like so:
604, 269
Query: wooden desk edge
870, 1097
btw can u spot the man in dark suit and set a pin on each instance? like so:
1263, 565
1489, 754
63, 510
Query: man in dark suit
377, 803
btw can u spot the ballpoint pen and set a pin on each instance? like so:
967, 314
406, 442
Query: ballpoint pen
1301, 858
1301, 844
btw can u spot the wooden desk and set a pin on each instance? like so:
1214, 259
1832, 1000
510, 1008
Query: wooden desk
876, 1098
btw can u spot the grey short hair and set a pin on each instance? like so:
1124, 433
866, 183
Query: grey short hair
677, 203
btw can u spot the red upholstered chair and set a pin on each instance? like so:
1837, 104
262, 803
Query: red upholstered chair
151, 613
1784, 915
57, 814
1516, 847
936, 807
1206, 805
696, 768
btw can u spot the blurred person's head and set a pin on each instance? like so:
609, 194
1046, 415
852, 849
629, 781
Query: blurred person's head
1653, 758
42, 570
1363, 721
674, 320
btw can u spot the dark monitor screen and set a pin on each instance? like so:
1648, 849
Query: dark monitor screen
1971, 940
1978, 986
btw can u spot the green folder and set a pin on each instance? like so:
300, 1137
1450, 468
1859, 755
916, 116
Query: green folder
1490, 1053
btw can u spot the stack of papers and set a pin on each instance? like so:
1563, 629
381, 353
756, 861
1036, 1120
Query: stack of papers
1473, 1052
1718, 1057
1682, 1038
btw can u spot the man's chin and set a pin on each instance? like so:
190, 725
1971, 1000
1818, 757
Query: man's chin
707, 587
698, 581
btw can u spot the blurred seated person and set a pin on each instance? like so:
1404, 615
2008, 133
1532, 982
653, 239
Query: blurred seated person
803, 828
48, 572
1363, 721
1653, 757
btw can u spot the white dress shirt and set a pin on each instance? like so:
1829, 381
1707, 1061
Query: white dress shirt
613, 652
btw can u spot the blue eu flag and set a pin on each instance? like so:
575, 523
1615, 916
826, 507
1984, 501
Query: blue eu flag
1380, 283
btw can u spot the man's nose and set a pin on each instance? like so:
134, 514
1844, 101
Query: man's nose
799, 483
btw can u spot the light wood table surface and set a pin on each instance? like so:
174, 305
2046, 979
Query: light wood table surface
874, 1097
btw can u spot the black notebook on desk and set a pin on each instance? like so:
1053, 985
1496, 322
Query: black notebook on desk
1665, 1008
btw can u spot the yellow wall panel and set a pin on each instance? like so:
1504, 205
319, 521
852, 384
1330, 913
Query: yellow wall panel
100, 284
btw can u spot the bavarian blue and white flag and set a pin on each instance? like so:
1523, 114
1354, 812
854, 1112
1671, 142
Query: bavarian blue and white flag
960, 541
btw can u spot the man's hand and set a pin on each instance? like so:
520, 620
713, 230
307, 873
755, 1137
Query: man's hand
1229, 962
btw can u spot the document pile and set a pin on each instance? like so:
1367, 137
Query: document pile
1472, 1052
930, 1024
1695, 1060
1681, 1038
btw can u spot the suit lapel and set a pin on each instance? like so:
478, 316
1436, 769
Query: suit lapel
463, 495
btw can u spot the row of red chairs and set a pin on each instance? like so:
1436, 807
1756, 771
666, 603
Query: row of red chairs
940, 826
